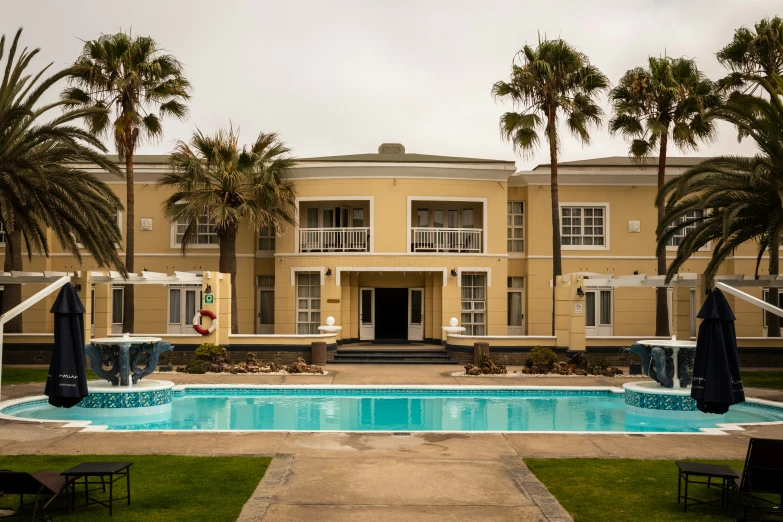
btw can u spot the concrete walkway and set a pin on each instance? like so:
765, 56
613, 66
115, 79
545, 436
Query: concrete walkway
353, 476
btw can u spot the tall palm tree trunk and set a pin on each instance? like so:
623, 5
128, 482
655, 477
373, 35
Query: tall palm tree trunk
557, 265
228, 265
12, 294
661, 293
773, 321
129, 311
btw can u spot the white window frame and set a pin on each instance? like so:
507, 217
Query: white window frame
705, 248
510, 227
455, 202
182, 288
583, 205
472, 306
266, 288
517, 329
117, 327
312, 330
175, 244
272, 238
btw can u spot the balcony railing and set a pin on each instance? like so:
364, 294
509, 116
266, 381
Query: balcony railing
466, 240
355, 239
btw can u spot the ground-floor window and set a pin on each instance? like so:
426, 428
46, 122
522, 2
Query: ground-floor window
266, 304
764, 297
474, 303
308, 302
117, 308
516, 306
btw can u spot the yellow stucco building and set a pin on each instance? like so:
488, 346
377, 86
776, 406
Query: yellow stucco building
394, 244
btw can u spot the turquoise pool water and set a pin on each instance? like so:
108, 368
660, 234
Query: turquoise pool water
372, 409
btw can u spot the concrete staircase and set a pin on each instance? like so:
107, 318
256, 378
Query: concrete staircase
397, 355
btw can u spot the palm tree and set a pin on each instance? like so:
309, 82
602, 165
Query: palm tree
668, 99
741, 198
129, 77
750, 53
42, 179
215, 180
548, 82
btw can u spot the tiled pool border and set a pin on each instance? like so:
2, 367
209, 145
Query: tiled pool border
250, 389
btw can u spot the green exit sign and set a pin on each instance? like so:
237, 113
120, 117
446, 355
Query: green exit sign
209, 299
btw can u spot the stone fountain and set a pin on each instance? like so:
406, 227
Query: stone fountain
123, 362
666, 361
126, 359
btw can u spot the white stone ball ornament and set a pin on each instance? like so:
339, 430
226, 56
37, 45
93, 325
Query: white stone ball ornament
453, 321
330, 321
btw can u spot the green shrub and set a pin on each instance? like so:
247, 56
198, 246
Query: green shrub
206, 351
542, 357
196, 366
601, 362
483, 359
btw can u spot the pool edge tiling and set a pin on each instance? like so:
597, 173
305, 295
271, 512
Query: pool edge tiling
385, 409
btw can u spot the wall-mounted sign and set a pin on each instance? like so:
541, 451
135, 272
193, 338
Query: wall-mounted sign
209, 299
334, 301
577, 308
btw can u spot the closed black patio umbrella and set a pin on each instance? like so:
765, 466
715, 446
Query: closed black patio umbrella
66, 384
716, 375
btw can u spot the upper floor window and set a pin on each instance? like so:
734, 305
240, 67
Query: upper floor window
516, 226
78, 238
677, 238
206, 231
445, 218
583, 226
266, 238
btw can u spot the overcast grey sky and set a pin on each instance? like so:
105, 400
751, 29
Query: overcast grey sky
341, 77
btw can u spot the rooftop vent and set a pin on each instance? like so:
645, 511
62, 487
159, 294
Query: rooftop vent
391, 148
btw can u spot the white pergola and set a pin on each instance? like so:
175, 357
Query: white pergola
730, 284
57, 280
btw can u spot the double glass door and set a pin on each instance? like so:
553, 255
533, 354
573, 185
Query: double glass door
415, 315
184, 302
598, 312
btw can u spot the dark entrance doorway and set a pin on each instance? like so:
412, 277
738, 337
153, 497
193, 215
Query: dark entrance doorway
391, 314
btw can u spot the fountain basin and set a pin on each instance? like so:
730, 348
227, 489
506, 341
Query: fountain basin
146, 397
125, 360
650, 396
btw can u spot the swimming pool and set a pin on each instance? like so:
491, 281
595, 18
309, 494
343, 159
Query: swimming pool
403, 409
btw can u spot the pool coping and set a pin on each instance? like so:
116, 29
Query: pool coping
88, 426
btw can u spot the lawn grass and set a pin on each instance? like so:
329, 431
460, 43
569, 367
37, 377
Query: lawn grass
16, 375
771, 379
625, 490
164, 488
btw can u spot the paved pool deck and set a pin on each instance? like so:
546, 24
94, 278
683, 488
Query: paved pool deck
353, 476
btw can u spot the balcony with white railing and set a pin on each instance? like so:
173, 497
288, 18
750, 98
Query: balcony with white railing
334, 239
457, 240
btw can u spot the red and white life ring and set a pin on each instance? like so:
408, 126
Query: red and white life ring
199, 315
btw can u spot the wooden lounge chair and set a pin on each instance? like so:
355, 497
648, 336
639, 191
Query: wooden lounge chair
38, 484
762, 475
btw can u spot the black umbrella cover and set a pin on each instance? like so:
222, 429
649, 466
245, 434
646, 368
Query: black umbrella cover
716, 375
66, 384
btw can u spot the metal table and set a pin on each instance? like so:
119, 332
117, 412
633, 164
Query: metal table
709, 471
113, 470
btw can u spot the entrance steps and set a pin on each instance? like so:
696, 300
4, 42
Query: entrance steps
397, 355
